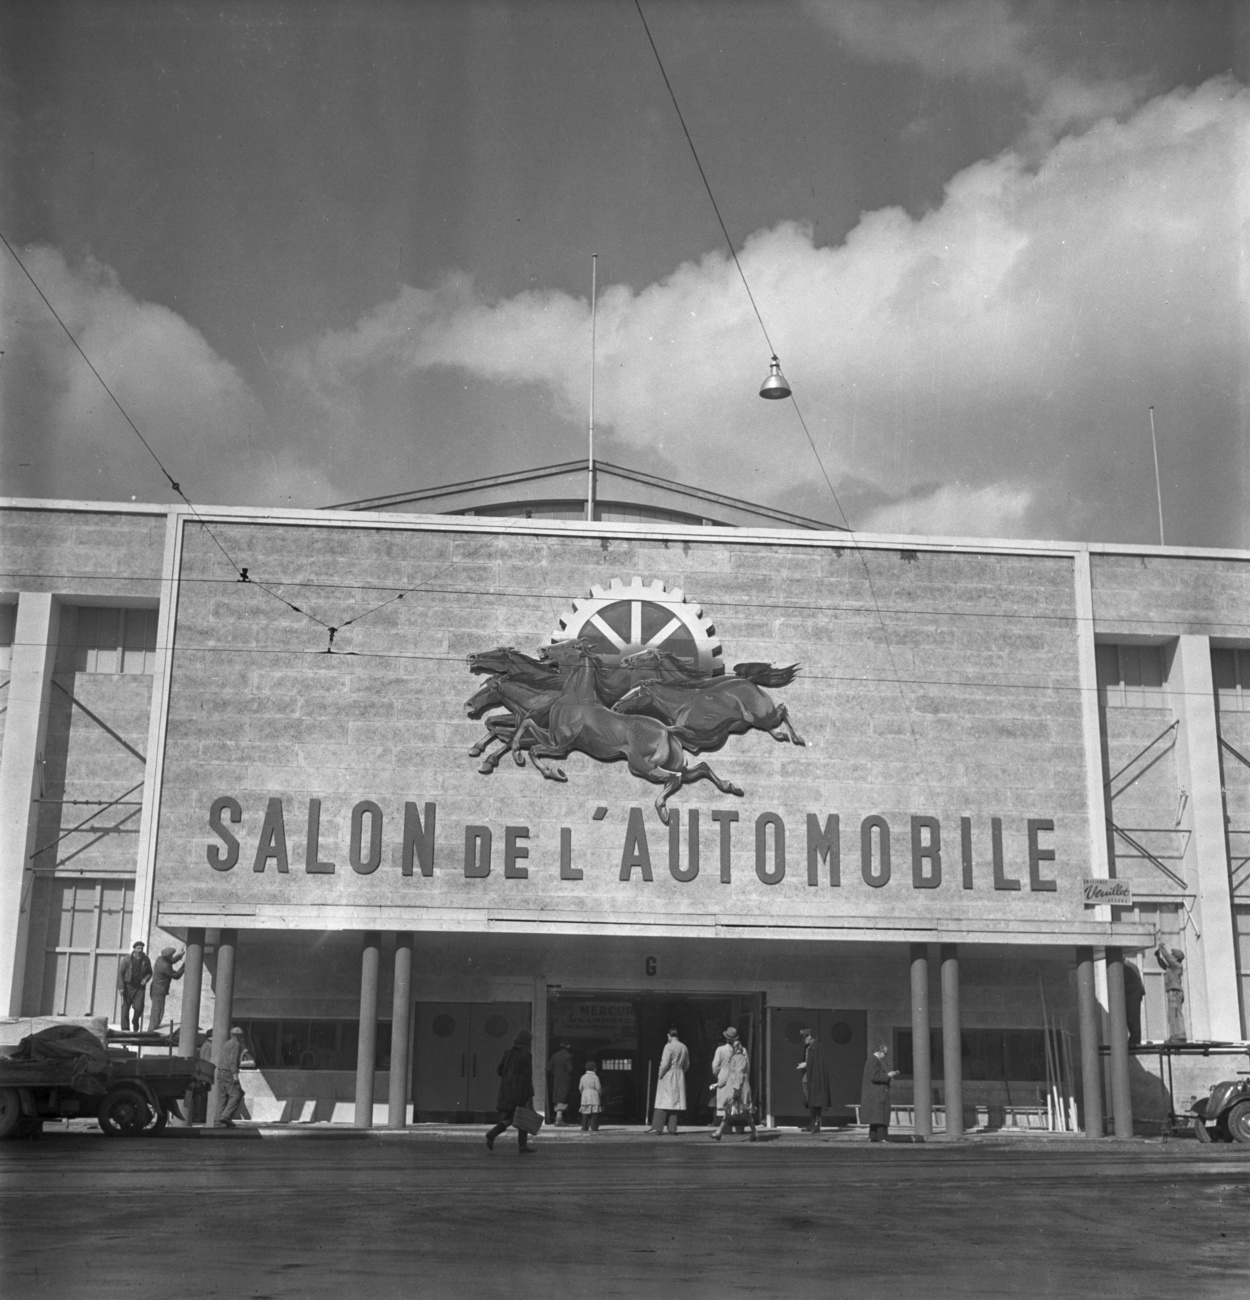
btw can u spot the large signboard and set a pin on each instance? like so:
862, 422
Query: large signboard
528, 723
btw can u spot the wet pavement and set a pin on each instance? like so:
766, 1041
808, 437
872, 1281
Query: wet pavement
317, 1211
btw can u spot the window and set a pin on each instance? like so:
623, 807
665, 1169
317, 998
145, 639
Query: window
993, 1054
88, 935
114, 640
1130, 676
1231, 671
312, 1044
8, 626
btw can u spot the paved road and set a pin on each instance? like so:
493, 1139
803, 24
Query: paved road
432, 1217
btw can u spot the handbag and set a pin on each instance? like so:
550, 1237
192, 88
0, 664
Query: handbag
527, 1120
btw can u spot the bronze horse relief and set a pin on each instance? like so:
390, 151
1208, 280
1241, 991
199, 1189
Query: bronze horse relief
652, 710
579, 720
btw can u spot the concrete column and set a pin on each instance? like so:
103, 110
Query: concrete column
401, 1041
1117, 1034
26, 728
223, 1007
189, 1022
1087, 1012
538, 1027
367, 1040
1212, 1001
952, 1040
922, 1066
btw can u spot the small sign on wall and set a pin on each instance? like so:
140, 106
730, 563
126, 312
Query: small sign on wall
1115, 893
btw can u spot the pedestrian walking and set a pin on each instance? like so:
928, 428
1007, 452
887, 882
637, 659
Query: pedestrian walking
164, 970
560, 1067
874, 1098
670, 1087
133, 975
516, 1088
732, 1068
591, 1089
817, 1089
227, 1090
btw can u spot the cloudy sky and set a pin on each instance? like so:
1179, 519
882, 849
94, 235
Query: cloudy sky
323, 251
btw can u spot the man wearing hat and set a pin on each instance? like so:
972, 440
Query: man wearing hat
1174, 987
164, 969
817, 1093
732, 1068
132, 978
227, 1090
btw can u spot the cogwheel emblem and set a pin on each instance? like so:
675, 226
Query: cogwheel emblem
626, 618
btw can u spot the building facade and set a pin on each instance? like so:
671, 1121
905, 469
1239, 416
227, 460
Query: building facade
291, 741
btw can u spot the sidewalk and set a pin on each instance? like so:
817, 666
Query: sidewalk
614, 1134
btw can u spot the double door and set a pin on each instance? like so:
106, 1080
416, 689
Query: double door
457, 1047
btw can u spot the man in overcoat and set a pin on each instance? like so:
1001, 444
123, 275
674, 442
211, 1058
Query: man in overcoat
670, 1088
817, 1093
516, 1088
561, 1069
874, 1098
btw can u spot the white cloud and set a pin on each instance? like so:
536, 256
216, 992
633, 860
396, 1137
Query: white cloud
1013, 336
953, 510
193, 408
990, 41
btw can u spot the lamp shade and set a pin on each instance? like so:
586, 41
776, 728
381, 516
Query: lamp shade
775, 386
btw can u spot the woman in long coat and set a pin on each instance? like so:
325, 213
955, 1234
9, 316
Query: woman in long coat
670, 1088
516, 1088
874, 1099
732, 1069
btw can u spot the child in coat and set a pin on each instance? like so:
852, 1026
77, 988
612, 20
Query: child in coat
592, 1098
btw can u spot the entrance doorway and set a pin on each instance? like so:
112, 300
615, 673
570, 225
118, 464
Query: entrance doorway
456, 1047
624, 1034
843, 1037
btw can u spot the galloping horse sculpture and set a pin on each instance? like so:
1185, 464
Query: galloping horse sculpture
523, 699
705, 713
647, 709
578, 720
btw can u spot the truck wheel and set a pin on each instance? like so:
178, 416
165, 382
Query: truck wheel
124, 1113
1238, 1122
159, 1119
1201, 1131
10, 1112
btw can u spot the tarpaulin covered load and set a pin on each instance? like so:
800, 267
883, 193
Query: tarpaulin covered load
71, 1047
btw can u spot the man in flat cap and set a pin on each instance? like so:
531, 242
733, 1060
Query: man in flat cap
164, 970
1172, 961
227, 1090
132, 978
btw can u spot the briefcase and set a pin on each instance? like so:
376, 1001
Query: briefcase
527, 1120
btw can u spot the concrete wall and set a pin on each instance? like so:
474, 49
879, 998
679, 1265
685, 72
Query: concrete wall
935, 684
57, 556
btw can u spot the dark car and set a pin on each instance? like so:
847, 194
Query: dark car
1224, 1116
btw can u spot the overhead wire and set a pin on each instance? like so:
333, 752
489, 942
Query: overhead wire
762, 603
867, 679
764, 329
242, 572
175, 486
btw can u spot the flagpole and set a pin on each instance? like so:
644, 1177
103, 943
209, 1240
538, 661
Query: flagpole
1158, 490
590, 458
